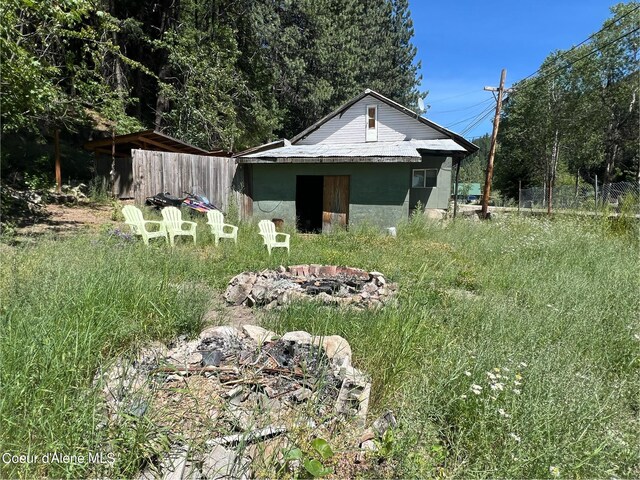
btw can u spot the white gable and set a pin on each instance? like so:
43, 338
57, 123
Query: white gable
350, 126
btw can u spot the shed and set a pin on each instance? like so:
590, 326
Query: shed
114, 156
371, 160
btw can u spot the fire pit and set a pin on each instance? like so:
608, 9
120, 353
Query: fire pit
327, 283
236, 398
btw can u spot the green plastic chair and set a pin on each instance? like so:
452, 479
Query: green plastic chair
134, 219
216, 222
175, 225
270, 236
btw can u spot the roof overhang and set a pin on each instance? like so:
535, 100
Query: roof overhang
409, 151
121, 145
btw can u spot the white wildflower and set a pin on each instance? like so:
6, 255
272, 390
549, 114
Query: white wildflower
517, 383
491, 376
636, 336
477, 389
516, 391
506, 369
497, 386
523, 365
554, 471
515, 437
503, 413
467, 373
463, 396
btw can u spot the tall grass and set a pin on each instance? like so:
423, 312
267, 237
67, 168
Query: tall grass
554, 302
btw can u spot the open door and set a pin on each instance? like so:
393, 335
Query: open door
335, 203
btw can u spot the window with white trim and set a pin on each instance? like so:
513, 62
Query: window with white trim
424, 178
372, 123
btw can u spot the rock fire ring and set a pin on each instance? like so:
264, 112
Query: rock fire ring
228, 399
329, 284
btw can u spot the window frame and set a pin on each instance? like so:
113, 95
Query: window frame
424, 182
371, 133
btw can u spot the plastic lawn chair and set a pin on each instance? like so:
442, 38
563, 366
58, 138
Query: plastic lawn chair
133, 217
216, 222
270, 236
175, 225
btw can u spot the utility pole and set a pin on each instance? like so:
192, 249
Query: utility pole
494, 140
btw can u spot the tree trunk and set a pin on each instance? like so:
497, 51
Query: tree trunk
553, 167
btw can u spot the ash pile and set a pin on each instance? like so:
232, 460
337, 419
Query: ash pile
329, 284
229, 400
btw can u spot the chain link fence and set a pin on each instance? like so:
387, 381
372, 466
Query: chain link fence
616, 196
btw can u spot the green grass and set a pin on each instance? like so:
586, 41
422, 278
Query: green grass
560, 296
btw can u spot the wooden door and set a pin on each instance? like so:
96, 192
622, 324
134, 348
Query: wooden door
335, 202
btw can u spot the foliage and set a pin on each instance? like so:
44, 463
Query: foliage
579, 116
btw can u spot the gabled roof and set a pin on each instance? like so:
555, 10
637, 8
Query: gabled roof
146, 140
468, 146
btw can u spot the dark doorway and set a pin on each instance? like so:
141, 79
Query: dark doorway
309, 192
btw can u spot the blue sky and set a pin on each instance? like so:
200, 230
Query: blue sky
464, 44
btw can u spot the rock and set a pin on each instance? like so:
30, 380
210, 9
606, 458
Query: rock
222, 463
353, 400
354, 375
302, 394
258, 334
383, 423
173, 465
298, 337
194, 358
224, 332
237, 294
281, 269
368, 434
369, 445
336, 348
435, 213
211, 358
174, 378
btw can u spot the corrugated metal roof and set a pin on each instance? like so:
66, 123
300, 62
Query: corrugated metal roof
401, 150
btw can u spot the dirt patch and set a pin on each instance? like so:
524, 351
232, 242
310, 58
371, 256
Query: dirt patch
67, 219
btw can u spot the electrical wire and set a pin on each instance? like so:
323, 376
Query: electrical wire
606, 27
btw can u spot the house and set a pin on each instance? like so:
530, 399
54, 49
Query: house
370, 161
469, 192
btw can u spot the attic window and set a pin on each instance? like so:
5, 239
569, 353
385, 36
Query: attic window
372, 123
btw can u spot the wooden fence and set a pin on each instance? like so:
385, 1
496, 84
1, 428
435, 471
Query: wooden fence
218, 178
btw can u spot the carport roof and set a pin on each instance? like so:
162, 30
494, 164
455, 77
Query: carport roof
146, 140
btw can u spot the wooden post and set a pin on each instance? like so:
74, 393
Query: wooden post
455, 194
56, 140
519, 194
492, 150
596, 203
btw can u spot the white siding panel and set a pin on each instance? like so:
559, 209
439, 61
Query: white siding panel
350, 127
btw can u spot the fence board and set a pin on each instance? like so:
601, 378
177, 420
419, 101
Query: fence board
215, 177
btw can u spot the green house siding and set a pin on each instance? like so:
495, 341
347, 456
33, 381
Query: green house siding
438, 196
378, 193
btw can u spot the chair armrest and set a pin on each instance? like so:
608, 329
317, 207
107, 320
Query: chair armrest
192, 225
161, 225
232, 227
285, 235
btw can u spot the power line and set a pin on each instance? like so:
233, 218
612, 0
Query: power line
606, 27
472, 118
473, 124
462, 109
